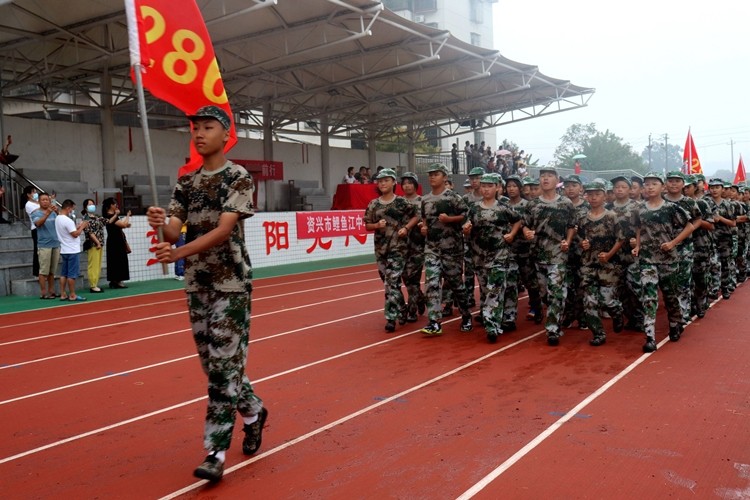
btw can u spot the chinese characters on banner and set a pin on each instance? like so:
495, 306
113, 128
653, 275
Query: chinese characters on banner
322, 226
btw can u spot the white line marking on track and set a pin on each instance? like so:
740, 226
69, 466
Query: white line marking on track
354, 415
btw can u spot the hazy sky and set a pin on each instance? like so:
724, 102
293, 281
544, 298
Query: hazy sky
657, 66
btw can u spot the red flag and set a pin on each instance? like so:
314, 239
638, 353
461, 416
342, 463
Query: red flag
740, 175
692, 165
179, 64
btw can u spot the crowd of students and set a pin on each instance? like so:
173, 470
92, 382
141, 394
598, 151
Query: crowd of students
583, 252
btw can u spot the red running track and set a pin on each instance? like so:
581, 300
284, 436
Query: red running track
106, 399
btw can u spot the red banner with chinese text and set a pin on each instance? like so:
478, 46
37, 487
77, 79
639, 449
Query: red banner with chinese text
330, 224
179, 64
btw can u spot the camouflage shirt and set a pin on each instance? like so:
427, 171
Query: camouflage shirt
551, 221
396, 213
624, 214
443, 238
416, 240
575, 251
199, 199
691, 207
520, 246
702, 240
659, 225
602, 231
471, 198
488, 226
723, 209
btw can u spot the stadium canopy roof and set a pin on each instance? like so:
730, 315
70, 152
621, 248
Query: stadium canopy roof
351, 63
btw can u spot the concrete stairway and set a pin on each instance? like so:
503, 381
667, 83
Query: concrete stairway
66, 183
314, 197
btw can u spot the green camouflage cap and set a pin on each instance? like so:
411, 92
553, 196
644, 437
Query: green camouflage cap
386, 172
727, 184
690, 179
467, 183
548, 169
623, 179
572, 178
515, 179
699, 177
438, 167
530, 181
410, 175
595, 186
609, 186
489, 179
654, 175
476, 171
716, 182
214, 112
499, 178
675, 174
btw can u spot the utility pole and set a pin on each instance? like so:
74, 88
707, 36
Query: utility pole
649, 152
666, 154
731, 146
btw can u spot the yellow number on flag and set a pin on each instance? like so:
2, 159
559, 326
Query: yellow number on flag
159, 27
213, 76
187, 57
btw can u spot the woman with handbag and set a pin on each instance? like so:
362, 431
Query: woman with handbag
93, 245
118, 269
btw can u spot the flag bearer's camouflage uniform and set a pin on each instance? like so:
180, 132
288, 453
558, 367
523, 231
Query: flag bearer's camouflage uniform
629, 281
703, 250
574, 297
218, 285
521, 251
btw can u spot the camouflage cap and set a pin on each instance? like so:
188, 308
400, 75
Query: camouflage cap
213, 112
623, 179
609, 186
675, 174
514, 178
572, 178
489, 179
636, 179
727, 184
690, 179
386, 172
467, 183
716, 182
699, 177
530, 181
438, 167
654, 175
548, 169
476, 171
410, 175
595, 186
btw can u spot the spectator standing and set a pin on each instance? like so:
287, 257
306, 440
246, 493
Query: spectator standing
68, 233
93, 244
454, 158
3, 220
349, 178
49, 246
32, 203
118, 269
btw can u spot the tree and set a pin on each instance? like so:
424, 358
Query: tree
663, 158
603, 150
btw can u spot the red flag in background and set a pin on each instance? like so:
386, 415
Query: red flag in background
690, 157
740, 175
179, 64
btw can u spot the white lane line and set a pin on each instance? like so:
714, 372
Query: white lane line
189, 402
147, 318
497, 472
354, 415
175, 360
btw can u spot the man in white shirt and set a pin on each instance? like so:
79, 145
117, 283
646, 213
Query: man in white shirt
70, 246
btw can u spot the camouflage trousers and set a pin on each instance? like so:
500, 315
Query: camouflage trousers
733, 273
510, 309
493, 279
599, 284
391, 268
528, 277
221, 328
412, 278
726, 261
553, 291
653, 278
741, 261
574, 297
714, 273
685, 283
469, 272
700, 283
629, 291
447, 268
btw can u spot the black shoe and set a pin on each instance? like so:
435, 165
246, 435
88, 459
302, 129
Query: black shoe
421, 306
582, 325
447, 311
701, 314
479, 319
96, 290
674, 333
510, 326
566, 323
472, 303
390, 326
466, 325
598, 340
433, 329
212, 469
725, 295
254, 433
402, 316
553, 340
538, 316
713, 296
649, 346
617, 323
492, 338
411, 318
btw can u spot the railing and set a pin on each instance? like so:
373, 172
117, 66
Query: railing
14, 182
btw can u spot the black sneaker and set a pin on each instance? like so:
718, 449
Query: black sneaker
598, 340
649, 346
390, 326
725, 295
411, 318
211, 469
538, 316
553, 339
509, 326
466, 325
433, 329
447, 311
479, 319
254, 433
700, 314
472, 302
674, 333
617, 323
492, 338
402, 315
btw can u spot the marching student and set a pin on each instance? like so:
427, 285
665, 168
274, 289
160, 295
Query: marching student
414, 251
